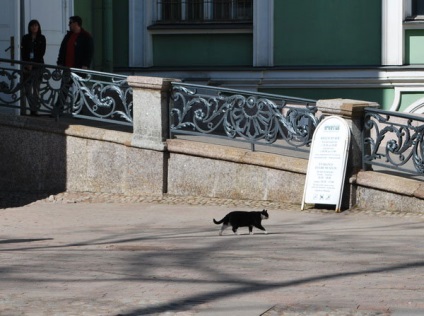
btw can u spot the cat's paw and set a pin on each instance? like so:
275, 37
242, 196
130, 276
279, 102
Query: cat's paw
251, 233
266, 233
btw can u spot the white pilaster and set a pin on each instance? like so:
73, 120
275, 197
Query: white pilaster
141, 16
392, 32
263, 33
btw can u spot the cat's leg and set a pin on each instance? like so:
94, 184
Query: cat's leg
250, 230
259, 226
235, 230
223, 227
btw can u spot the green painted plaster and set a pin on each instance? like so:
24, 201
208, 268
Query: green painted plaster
94, 19
327, 32
414, 47
203, 50
120, 33
408, 98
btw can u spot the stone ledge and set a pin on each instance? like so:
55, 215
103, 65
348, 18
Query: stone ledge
237, 155
390, 183
61, 127
345, 108
153, 83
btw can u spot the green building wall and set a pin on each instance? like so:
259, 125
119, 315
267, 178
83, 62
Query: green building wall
187, 50
324, 33
327, 32
414, 47
107, 21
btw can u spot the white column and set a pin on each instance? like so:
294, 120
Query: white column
392, 32
141, 15
263, 33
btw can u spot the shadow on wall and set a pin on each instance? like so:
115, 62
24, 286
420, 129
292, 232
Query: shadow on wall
32, 163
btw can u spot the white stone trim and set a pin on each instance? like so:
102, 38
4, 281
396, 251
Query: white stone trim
251, 79
263, 33
201, 31
415, 107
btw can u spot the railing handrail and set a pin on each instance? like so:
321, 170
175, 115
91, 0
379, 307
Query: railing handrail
79, 70
253, 93
414, 117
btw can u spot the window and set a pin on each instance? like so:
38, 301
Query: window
418, 7
201, 11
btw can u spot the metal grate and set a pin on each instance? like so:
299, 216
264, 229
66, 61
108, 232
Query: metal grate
393, 141
59, 91
205, 112
204, 11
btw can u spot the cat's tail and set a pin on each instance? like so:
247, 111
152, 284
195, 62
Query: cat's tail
218, 222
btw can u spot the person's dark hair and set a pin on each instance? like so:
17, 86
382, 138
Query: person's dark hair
76, 19
34, 22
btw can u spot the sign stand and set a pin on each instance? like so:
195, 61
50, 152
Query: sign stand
327, 163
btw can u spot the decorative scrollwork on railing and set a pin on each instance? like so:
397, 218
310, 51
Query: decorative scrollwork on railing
394, 140
112, 100
245, 116
62, 91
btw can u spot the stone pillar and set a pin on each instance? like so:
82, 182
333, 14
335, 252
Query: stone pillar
353, 112
150, 111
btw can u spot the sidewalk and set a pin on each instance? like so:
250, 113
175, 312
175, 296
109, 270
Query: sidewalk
166, 258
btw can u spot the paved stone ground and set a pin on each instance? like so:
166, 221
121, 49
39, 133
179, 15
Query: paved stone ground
102, 254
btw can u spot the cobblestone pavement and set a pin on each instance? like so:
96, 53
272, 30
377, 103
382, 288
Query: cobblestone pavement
17, 199
109, 255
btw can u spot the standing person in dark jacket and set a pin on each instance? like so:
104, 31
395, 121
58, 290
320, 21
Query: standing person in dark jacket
76, 50
33, 48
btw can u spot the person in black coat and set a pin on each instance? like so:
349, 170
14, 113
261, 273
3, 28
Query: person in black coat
76, 49
33, 48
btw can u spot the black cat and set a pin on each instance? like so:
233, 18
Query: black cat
241, 219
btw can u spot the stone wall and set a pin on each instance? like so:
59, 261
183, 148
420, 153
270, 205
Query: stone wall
41, 155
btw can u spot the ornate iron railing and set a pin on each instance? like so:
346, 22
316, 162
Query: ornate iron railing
255, 118
60, 91
393, 140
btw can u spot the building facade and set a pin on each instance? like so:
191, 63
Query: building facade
372, 50
357, 49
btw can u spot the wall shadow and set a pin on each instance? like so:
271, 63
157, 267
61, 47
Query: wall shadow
33, 160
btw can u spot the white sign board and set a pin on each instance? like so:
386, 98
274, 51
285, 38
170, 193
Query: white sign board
327, 163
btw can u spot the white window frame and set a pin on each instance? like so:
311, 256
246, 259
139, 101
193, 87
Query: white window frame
207, 10
394, 24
